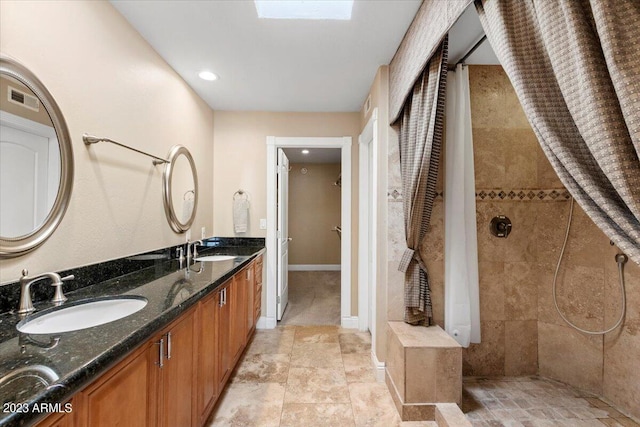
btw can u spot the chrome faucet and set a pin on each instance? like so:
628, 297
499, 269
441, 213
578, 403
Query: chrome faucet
26, 305
192, 253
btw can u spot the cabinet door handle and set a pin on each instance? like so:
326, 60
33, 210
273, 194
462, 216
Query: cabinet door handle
161, 356
225, 295
168, 345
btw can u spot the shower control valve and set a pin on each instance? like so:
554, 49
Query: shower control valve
500, 226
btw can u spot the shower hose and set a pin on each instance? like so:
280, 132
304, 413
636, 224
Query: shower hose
621, 259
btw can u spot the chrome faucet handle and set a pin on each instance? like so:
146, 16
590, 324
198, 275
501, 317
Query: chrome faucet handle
58, 297
26, 305
195, 251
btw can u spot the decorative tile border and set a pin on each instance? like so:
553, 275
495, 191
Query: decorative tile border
394, 195
514, 194
528, 194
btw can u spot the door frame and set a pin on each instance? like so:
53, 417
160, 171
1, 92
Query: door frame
268, 319
367, 237
282, 239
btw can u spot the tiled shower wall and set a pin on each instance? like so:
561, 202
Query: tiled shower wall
521, 331
508, 158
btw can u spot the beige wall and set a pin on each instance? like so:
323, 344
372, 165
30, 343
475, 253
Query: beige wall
108, 81
240, 161
314, 209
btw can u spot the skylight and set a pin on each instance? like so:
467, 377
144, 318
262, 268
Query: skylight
304, 9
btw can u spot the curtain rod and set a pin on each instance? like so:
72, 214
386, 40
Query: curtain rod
470, 52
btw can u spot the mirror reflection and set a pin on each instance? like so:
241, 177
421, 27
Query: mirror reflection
29, 160
180, 185
182, 189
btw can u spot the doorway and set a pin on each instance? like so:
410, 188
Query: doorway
314, 236
274, 259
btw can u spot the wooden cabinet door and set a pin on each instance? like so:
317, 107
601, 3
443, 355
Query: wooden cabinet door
257, 278
125, 395
250, 301
178, 373
238, 322
224, 336
208, 355
61, 420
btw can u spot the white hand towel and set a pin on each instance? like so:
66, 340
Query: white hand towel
187, 210
240, 215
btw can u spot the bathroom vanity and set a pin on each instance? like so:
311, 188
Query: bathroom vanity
163, 365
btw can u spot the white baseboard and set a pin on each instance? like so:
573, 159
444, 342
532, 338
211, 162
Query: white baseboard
350, 322
266, 322
378, 366
314, 267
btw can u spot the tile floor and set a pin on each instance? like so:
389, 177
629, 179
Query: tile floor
314, 298
535, 402
307, 376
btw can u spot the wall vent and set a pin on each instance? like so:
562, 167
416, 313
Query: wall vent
367, 105
21, 98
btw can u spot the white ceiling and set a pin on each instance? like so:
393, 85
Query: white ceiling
316, 155
272, 64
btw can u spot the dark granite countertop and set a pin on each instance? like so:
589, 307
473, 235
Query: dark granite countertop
79, 357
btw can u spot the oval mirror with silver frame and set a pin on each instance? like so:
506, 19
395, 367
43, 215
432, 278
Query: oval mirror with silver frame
36, 161
180, 189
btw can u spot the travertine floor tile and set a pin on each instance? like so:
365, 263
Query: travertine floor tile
533, 402
314, 414
314, 298
358, 367
273, 341
316, 334
262, 368
316, 385
359, 342
372, 405
250, 405
322, 355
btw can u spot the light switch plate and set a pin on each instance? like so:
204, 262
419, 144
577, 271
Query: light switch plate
188, 235
263, 223
203, 233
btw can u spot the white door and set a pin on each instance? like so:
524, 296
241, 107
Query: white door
283, 233
24, 176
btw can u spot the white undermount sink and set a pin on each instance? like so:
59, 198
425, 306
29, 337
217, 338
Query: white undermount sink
81, 315
215, 258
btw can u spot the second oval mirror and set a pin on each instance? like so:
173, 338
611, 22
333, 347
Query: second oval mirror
180, 189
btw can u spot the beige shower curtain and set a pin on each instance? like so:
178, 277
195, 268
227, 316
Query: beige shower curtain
575, 66
421, 123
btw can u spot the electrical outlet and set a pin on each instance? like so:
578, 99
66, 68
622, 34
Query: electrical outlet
203, 233
188, 235
263, 223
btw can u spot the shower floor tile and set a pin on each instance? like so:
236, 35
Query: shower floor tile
533, 402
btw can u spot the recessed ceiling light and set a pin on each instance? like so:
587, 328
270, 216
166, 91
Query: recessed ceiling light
208, 75
305, 151
304, 9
